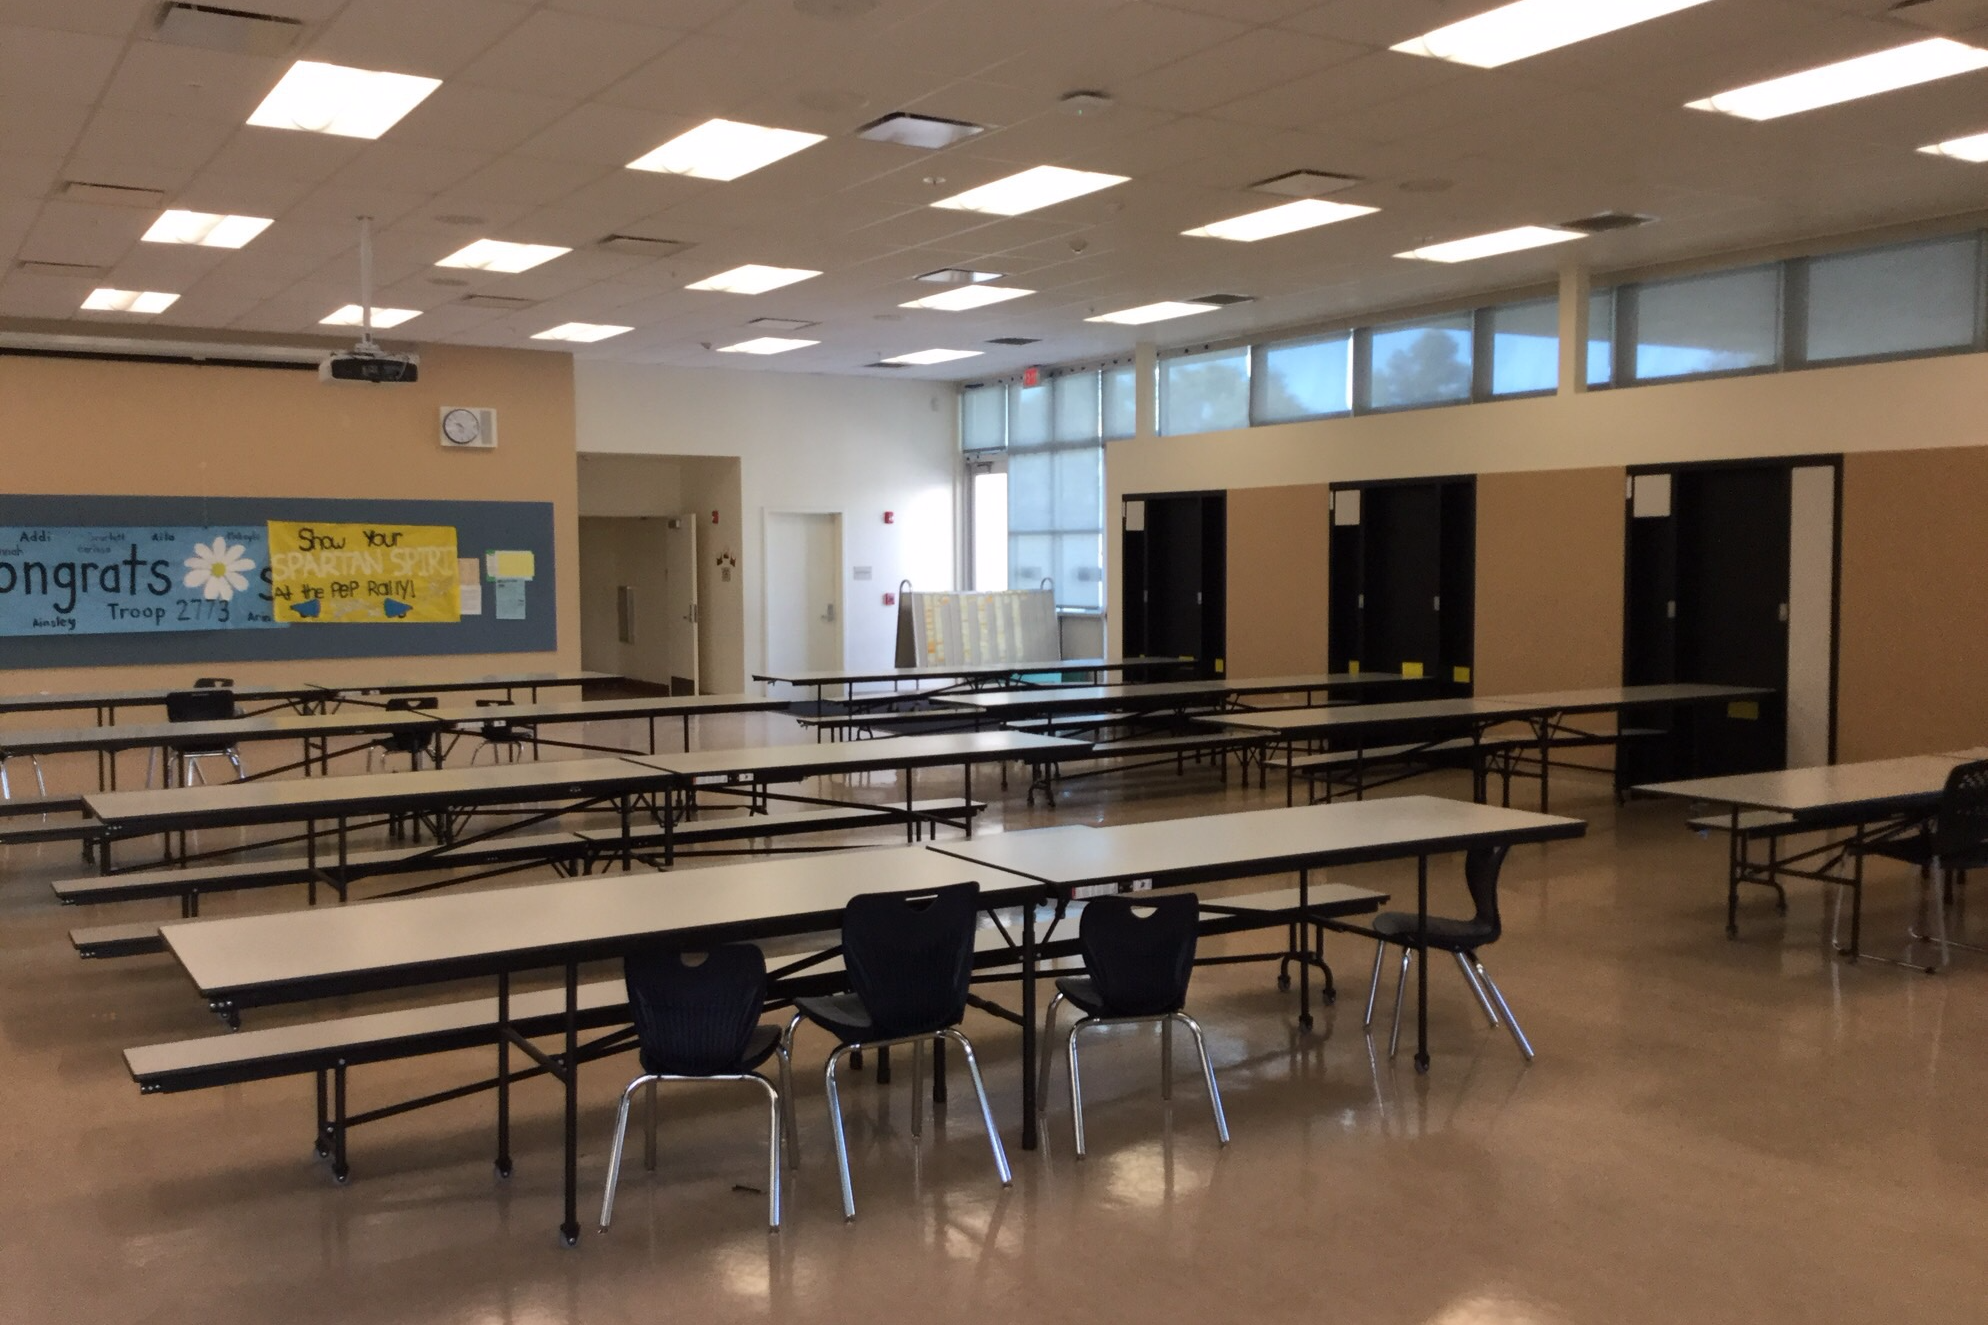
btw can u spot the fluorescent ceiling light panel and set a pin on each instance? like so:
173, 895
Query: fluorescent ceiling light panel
752, 279
1528, 27
963, 297
1491, 245
922, 357
1972, 148
1280, 220
333, 98
1160, 312
500, 255
767, 345
1039, 186
205, 228
724, 149
383, 318
129, 301
1847, 80
584, 332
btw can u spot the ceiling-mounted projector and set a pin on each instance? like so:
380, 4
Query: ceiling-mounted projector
366, 361
370, 366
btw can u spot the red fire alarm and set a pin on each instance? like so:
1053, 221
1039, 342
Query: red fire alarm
714, 517
890, 600
890, 517
1031, 377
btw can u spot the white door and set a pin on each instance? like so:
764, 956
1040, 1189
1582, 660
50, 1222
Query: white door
680, 602
803, 591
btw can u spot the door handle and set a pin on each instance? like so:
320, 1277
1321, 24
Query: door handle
829, 615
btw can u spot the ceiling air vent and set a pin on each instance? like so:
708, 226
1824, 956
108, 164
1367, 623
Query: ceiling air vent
237, 31
1306, 183
928, 131
958, 276
644, 245
1222, 300
1603, 222
505, 302
1014, 340
117, 195
81, 270
881, 364
781, 324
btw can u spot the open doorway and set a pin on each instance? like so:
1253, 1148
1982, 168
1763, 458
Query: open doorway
661, 599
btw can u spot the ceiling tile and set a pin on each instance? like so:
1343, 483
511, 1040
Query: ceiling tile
79, 232
1252, 62
479, 119
40, 66
156, 78
435, 38
145, 151
566, 55
108, 18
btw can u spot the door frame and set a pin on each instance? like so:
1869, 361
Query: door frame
1791, 463
766, 515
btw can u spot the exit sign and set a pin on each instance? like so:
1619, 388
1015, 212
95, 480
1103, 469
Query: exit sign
1031, 377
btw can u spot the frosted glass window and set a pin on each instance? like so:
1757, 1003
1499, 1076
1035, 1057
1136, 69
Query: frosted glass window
1076, 409
1121, 402
983, 418
1722, 322
1525, 347
1029, 415
1303, 379
1426, 362
1901, 299
1204, 392
1601, 338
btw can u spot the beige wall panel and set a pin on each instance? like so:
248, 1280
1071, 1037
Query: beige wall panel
1277, 580
1549, 580
96, 427
1913, 641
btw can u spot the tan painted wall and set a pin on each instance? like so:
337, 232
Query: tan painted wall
1277, 580
90, 427
1549, 580
1912, 660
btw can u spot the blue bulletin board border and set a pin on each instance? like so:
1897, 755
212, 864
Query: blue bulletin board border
481, 526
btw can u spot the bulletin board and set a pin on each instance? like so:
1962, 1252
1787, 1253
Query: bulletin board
191, 525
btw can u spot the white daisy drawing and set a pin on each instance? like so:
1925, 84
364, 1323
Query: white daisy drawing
217, 569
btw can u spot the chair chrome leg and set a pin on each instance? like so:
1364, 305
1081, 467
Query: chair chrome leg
1470, 978
1048, 1038
1166, 1058
1400, 993
649, 1143
986, 1109
1207, 1072
1076, 1086
835, 1126
1511, 1022
775, 1124
1374, 983
787, 1091
614, 1155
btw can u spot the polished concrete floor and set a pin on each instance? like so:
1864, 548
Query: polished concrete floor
1714, 1131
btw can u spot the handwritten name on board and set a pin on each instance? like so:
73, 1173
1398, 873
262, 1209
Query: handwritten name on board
345, 572
72, 580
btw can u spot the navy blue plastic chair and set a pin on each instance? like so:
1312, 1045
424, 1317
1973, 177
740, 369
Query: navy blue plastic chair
909, 959
1138, 957
698, 1020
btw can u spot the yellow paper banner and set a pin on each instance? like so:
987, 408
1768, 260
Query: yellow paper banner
362, 572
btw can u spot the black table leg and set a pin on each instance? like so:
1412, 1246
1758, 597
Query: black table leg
1421, 963
1029, 1046
1304, 967
503, 1076
1735, 856
966, 776
909, 822
570, 1230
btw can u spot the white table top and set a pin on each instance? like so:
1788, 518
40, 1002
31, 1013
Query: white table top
408, 941
1257, 841
1486, 709
1877, 786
